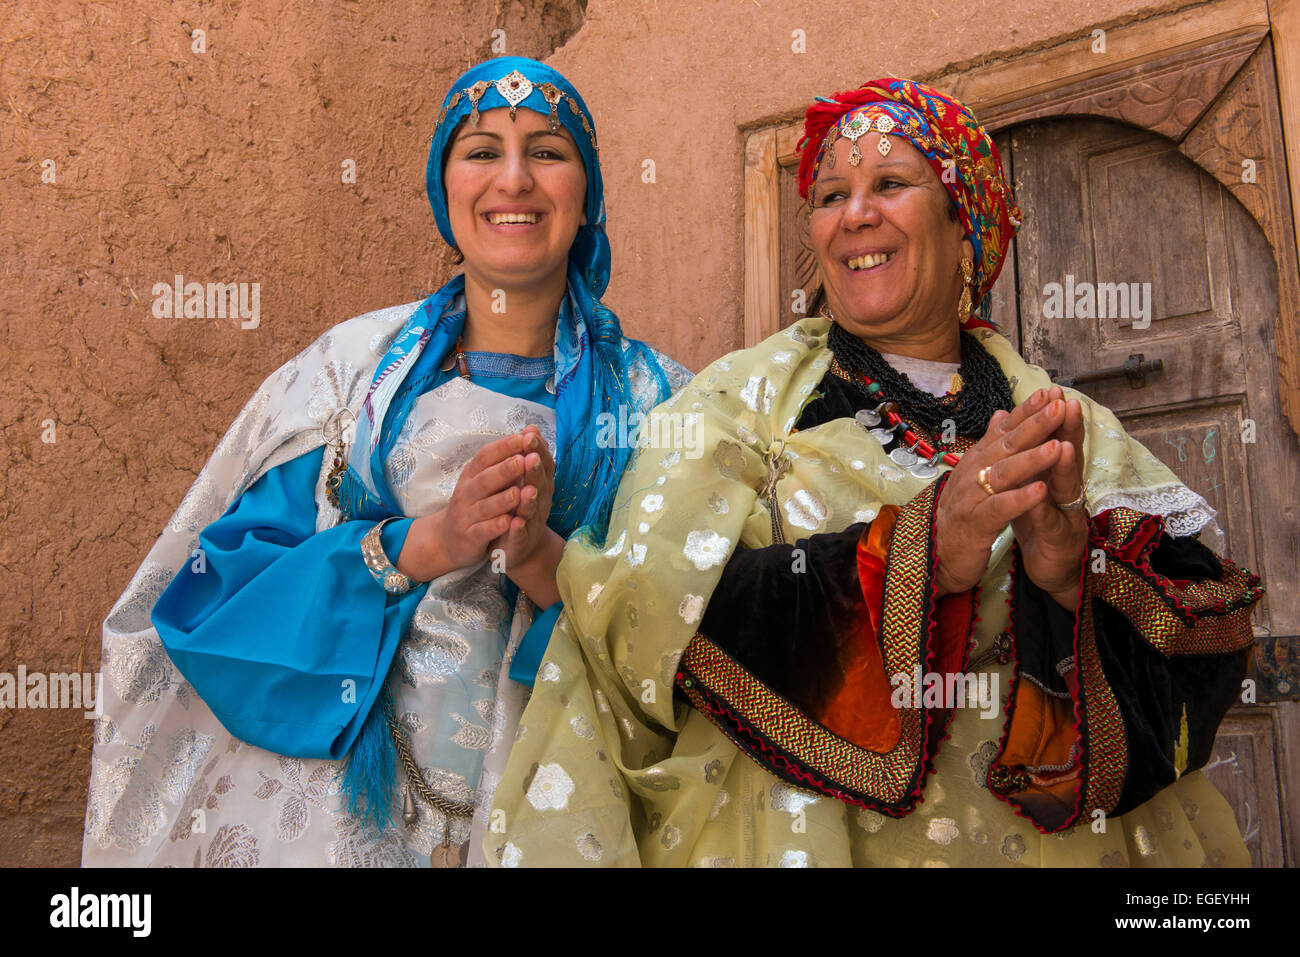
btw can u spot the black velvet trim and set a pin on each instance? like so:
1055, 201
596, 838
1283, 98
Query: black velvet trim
838, 400
1044, 632
1184, 558
1151, 691
786, 626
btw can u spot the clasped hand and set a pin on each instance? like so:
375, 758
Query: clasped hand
1034, 465
501, 500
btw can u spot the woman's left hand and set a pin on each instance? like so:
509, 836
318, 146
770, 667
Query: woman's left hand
1052, 541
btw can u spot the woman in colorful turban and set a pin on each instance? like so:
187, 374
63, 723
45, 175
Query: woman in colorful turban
914, 604
349, 583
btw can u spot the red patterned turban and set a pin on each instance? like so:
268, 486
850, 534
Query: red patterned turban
947, 134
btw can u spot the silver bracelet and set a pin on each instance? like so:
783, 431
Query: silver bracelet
372, 550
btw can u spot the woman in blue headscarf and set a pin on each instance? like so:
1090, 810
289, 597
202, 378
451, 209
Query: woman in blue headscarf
356, 593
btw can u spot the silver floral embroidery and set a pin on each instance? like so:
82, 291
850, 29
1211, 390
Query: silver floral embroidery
431, 652
870, 821
330, 388
719, 504
233, 846
473, 737
589, 847
511, 856
805, 509
943, 830
185, 752
729, 459
412, 723
794, 859
706, 548
1013, 847
140, 670
789, 799
132, 613
299, 796
691, 609
582, 727
198, 509
550, 788
359, 843
980, 761
124, 808
652, 503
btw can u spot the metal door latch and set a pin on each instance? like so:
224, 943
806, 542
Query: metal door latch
1135, 369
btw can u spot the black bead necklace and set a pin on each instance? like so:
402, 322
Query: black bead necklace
984, 390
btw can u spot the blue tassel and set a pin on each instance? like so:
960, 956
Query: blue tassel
370, 774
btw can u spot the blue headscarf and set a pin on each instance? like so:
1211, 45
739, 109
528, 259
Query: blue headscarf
591, 366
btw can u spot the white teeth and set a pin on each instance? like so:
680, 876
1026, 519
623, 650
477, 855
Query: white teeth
870, 261
497, 219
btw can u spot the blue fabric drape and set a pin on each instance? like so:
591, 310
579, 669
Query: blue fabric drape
277, 618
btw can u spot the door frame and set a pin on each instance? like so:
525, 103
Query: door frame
1189, 75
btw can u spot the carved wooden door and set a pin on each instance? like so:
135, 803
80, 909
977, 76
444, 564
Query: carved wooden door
1107, 204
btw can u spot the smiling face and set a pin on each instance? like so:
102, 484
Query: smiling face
515, 194
888, 250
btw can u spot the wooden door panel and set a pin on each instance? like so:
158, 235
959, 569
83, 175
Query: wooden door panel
1244, 769
1105, 203
1005, 298
1184, 259
1201, 444
798, 269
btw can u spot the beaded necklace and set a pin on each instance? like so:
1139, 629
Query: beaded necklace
984, 390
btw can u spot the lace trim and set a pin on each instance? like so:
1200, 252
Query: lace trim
1185, 513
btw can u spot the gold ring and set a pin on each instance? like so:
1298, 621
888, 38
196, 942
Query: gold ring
1074, 506
983, 479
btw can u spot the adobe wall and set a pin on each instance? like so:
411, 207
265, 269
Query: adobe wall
225, 166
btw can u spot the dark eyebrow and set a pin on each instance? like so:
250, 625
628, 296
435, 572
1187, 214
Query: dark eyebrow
497, 136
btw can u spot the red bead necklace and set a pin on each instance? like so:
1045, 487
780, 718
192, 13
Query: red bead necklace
891, 410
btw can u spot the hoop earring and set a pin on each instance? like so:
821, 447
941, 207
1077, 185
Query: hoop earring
964, 304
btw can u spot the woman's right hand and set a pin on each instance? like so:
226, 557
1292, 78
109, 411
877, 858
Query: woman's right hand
1015, 449
479, 511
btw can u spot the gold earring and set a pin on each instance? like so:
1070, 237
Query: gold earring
964, 304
